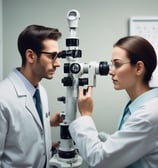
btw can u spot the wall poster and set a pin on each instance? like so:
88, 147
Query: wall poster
147, 27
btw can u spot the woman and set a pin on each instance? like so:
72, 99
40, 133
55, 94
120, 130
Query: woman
135, 143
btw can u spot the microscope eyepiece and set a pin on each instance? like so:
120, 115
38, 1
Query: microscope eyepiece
103, 68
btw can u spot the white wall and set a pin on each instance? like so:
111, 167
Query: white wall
1, 41
102, 23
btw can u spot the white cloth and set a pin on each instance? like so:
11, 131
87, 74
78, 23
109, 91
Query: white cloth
136, 144
24, 142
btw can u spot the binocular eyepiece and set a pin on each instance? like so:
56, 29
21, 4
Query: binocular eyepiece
101, 68
78, 69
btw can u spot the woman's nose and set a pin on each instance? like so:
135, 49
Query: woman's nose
111, 70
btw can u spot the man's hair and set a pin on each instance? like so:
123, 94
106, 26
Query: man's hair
32, 37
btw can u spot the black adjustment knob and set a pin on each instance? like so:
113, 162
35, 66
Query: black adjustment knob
66, 68
83, 81
67, 81
62, 99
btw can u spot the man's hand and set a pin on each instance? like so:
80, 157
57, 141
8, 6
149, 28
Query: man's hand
55, 119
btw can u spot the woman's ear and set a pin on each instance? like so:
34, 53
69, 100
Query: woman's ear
140, 68
30, 55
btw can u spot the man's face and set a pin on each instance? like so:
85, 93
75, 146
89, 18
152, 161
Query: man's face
46, 64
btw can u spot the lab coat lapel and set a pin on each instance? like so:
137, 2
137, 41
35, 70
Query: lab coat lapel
21, 93
29, 104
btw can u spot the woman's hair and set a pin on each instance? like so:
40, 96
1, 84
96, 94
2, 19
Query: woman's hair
139, 49
32, 37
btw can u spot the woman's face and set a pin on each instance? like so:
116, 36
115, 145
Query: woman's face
123, 74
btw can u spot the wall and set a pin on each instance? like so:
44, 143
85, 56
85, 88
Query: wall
1, 41
102, 23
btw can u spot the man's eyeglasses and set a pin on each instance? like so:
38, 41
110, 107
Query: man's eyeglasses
117, 65
52, 55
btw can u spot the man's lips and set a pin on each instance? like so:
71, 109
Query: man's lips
52, 71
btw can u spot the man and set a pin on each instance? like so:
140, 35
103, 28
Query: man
25, 139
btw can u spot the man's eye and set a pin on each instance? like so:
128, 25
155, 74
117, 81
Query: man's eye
54, 55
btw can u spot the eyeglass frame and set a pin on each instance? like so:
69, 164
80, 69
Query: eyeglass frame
54, 55
119, 64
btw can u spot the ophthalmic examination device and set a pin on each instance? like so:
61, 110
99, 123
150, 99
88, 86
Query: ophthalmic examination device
67, 155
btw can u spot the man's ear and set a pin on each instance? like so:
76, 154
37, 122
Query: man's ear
30, 55
140, 68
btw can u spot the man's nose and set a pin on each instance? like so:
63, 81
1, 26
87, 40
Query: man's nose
56, 63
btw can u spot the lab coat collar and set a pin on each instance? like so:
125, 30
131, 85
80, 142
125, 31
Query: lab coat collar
143, 98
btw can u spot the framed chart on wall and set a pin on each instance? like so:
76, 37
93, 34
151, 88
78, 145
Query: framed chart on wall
147, 27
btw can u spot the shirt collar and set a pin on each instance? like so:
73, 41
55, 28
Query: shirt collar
31, 89
143, 98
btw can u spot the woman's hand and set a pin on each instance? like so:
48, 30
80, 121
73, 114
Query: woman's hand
85, 101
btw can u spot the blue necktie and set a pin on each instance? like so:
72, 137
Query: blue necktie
126, 114
38, 104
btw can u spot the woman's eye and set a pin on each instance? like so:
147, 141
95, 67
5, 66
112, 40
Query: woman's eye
117, 64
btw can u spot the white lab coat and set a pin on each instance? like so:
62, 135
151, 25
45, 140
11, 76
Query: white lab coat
135, 145
24, 142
